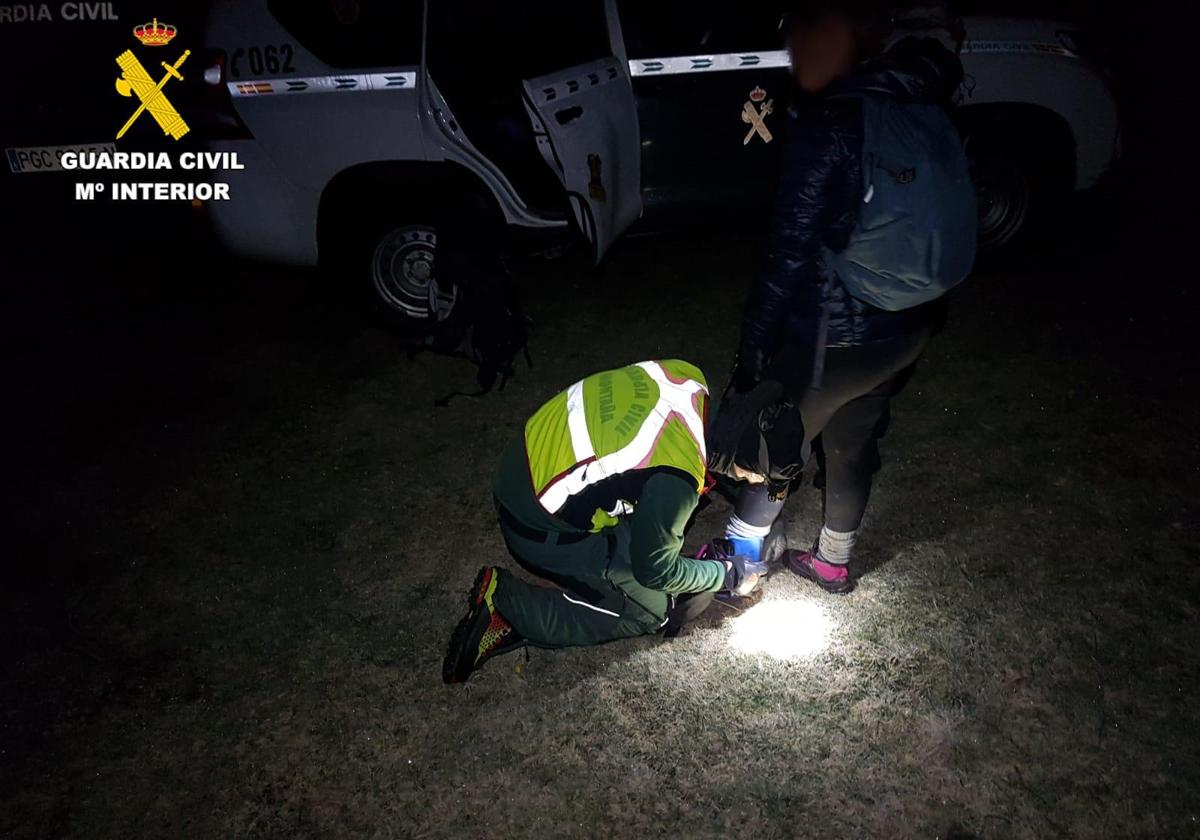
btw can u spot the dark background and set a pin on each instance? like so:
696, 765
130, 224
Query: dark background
131, 346
124, 333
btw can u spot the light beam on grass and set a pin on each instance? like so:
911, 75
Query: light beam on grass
782, 629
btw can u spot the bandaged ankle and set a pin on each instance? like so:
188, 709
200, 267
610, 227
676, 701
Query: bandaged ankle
835, 546
747, 539
738, 528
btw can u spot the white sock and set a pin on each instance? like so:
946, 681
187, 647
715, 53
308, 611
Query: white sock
835, 546
744, 530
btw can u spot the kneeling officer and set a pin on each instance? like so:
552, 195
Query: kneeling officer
594, 496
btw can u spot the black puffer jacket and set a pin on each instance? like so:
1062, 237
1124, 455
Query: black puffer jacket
820, 190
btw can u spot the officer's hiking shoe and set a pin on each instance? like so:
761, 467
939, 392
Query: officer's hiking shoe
830, 577
482, 634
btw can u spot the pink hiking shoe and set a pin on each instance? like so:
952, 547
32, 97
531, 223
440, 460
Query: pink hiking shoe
832, 578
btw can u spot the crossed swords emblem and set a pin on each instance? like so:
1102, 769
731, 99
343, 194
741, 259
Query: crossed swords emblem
135, 80
756, 118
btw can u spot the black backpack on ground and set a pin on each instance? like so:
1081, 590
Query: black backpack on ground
476, 311
486, 323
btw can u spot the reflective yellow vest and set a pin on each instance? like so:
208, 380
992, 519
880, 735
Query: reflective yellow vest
643, 416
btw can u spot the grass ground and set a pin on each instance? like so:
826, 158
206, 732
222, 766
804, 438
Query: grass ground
267, 560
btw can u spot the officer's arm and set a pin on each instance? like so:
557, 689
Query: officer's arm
813, 192
656, 535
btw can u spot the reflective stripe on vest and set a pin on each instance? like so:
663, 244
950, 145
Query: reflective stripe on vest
675, 399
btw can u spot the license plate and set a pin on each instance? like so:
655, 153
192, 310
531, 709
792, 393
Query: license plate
48, 158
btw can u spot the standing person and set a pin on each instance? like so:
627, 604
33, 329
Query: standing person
874, 220
594, 495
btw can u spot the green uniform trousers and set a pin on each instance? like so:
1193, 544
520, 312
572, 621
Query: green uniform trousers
600, 599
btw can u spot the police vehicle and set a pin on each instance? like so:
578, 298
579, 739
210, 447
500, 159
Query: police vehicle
361, 123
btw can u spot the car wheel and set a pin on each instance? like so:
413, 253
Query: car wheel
403, 273
1022, 164
1004, 197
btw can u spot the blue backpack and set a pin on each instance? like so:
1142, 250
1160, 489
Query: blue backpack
915, 235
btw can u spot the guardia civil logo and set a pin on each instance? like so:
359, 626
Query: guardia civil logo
135, 81
756, 117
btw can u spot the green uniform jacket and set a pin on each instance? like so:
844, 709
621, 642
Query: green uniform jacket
656, 526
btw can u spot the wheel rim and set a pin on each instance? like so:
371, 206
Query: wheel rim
402, 270
1002, 194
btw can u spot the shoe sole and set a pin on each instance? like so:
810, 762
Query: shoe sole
456, 650
484, 586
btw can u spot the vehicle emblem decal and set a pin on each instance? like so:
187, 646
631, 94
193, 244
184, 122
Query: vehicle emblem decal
756, 117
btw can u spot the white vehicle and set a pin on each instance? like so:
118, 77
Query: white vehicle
360, 122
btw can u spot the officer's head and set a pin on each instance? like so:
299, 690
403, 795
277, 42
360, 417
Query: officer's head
822, 46
825, 38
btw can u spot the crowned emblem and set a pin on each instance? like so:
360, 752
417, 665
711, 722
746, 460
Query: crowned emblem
154, 34
756, 117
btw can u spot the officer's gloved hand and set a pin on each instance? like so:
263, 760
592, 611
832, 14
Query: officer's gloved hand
742, 575
749, 370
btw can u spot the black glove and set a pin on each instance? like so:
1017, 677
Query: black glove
742, 575
749, 369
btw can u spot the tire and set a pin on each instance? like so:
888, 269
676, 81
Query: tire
1004, 196
1022, 165
401, 260
393, 263
386, 254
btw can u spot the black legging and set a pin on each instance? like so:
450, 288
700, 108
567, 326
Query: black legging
844, 415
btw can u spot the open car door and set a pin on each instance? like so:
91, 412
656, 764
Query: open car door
585, 123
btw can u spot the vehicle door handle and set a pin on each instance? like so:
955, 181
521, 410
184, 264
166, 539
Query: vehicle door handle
568, 115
